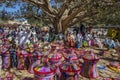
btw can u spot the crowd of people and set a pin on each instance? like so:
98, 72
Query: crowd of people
76, 38
15, 40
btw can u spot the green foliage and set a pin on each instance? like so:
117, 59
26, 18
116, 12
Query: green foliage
114, 33
107, 14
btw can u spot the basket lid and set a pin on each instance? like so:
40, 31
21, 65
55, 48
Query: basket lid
71, 56
55, 56
90, 56
67, 51
70, 67
45, 69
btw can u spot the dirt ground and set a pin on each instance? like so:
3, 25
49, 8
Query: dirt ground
109, 56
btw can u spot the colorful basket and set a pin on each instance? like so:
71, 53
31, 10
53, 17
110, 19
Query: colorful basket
55, 58
89, 68
115, 66
45, 71
69, 70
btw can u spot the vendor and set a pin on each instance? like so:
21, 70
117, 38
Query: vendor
117, 43
112, 44
72, 39
79, 40
13, 56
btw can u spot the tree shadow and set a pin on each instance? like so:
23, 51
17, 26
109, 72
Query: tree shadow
110, 59
28, 78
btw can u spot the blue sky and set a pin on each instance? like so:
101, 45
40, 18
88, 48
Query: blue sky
16, 7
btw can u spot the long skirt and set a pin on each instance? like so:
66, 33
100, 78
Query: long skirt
6, 61
0, 64
27, 62
90, 42
72, 43
21, 62
13, 59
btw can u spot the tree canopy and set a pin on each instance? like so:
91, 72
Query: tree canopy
65, 13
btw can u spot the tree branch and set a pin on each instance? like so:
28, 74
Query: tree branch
82, 18
75, 13
72, 16
80, 4
56, 1
64, 7
48, 5
42, 6
43, 18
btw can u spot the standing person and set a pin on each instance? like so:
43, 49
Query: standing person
21, 60
82, 29
85, 40
90, 40
52, 35
90, 29
79, 40
13, 56
73, 39
46, 37
69, 39
5, 57
65, 35
34, 36
0, 61
61, 36
1, 34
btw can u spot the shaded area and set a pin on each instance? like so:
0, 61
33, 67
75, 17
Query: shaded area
27, 78
110, 59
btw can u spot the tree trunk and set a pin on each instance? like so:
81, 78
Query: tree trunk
58, 26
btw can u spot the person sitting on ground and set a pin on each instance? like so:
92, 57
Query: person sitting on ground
99, 43
117, 43
107, 41
112, 44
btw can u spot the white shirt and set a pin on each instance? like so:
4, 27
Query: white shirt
79, 37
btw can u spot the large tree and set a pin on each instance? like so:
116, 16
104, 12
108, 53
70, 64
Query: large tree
65, 13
